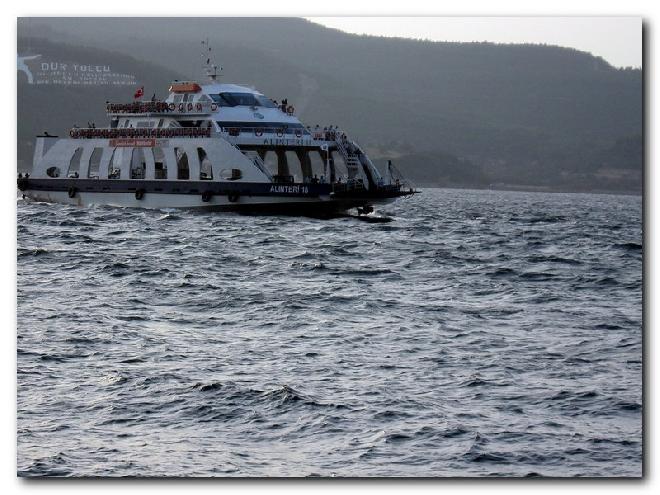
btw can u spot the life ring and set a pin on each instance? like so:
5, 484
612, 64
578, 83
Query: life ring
73, 133
198, 107
190, 107
206, 196
290, 110
182, 107
232, 197
139, 194
280, 133
171, 106
214, 107
298, 133
72, 192
258, 132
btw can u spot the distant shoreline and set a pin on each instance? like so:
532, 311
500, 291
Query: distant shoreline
531, 189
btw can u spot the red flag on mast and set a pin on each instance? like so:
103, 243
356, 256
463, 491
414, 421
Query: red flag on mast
139, 93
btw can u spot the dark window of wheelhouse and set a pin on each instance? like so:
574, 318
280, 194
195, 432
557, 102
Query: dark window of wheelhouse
182, 168
74, 164
205, 167
95, 163
222, 101
242, 99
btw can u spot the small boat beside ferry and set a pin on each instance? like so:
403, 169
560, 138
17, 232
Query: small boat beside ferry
206, 146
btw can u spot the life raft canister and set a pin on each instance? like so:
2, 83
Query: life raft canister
214, 107
258, 132
171, 106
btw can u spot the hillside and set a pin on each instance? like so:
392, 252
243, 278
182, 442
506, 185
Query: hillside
451, 113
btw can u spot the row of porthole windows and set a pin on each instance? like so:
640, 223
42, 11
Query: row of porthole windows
138, 165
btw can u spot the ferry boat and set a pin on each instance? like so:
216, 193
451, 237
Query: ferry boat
205, 147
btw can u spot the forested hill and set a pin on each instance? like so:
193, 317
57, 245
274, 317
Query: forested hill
455, 114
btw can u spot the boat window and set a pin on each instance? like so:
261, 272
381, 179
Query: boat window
159, 163
113, 173
174, 124
160, 122
94, 163
204, 98
221, 101
205, 168
267, 127
145, 123
138, 164
231, 174
242, 99
182, 168
178, 98
74, 164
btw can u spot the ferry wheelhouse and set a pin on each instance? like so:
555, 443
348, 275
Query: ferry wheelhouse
206, 146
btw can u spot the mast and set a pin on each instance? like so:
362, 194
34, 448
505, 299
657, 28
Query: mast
210, 67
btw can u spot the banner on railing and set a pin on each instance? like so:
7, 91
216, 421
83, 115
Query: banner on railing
132, 143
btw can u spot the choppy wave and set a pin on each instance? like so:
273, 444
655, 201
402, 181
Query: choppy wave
478, 334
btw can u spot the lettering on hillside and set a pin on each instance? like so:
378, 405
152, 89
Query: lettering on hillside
40, 71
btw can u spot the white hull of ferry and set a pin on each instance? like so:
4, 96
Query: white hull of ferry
165, 201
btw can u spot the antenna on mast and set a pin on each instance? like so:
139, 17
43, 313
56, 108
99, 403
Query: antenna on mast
210, 67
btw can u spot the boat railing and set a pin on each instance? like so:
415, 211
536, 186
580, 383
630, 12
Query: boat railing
279, 132
161, 107
155, 133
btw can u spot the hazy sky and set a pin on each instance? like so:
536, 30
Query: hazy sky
617, 39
